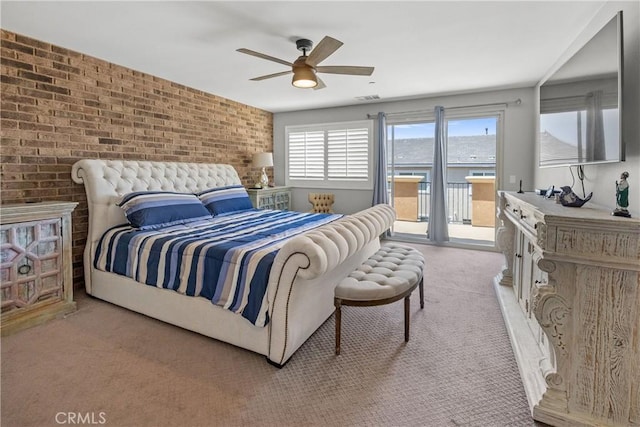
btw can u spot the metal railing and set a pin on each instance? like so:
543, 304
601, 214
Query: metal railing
458, 202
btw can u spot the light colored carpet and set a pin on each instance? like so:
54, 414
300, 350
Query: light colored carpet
458, 368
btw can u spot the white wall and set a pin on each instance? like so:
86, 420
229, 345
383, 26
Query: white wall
601, 178
516, 154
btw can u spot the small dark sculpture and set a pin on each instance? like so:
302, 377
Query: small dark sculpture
571, 199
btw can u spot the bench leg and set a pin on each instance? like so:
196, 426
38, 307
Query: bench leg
338, 305
407, 305
421, 286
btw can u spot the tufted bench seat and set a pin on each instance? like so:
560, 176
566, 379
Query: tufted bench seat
387, 276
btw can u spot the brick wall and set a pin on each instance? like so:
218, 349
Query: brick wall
59, 106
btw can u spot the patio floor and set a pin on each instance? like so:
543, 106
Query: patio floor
457, 232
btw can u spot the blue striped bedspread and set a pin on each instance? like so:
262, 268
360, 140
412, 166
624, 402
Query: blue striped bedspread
226, 259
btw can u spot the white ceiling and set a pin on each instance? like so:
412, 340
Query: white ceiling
418, 48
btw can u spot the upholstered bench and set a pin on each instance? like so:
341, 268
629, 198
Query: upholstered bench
387, 276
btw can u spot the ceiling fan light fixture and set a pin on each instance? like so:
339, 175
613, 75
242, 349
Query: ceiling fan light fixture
304, 68
304, 77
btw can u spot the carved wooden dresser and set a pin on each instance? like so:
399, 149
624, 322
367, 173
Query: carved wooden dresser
36, 279
570, 297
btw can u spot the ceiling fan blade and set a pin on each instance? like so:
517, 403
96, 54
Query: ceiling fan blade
263, 56
340, 69
269, 76
326, 47
320, 84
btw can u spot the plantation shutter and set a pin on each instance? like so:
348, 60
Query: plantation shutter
330, 155
306, 155
348, 154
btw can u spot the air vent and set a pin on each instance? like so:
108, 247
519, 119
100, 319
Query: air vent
367, 97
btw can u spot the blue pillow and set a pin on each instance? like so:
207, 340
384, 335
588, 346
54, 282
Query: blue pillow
226, 199
154, 209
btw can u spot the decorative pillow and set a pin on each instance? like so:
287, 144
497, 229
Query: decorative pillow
226, 199
154, 209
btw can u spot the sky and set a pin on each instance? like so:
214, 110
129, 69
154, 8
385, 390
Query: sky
466, 127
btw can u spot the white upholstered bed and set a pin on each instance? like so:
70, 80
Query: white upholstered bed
304, 274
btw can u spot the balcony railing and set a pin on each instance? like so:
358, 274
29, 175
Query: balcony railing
458, 202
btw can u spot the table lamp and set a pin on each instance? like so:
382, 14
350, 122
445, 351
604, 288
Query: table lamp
263, 160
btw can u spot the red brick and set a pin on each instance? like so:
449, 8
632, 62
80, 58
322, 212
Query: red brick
52, 88
26, 91
34, 76
53, 168
14, 115
17, 47
8, 124
48, 55
22, 100
67, 68
40, 176
17, 64
35, 126
52, 72
37, 159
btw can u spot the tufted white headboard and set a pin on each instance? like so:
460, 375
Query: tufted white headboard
105, 181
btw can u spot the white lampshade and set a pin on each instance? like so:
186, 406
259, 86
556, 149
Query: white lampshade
262, 160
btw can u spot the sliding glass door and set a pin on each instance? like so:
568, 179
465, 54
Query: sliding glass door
470, 184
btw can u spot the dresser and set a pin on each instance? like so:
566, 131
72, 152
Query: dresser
270, 198
570, 297
36, 280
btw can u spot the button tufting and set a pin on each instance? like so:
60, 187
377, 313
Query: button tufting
389, 275
126, 176
389, 272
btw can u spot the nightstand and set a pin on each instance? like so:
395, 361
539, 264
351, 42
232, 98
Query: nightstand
270, 198
36, 276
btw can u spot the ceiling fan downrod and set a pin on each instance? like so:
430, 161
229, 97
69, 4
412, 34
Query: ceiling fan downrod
304, 45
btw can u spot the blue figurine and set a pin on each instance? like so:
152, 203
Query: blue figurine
571, 199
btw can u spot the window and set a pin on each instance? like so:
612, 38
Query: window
482, 173
472, 138
424, 175
335, 155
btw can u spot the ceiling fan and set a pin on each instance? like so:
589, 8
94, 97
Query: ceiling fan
304, 68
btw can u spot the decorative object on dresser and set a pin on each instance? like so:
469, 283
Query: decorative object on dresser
622, 197
321, 202
35, 260
570, 199
570, 297
263, 160
271, 198
550, 191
